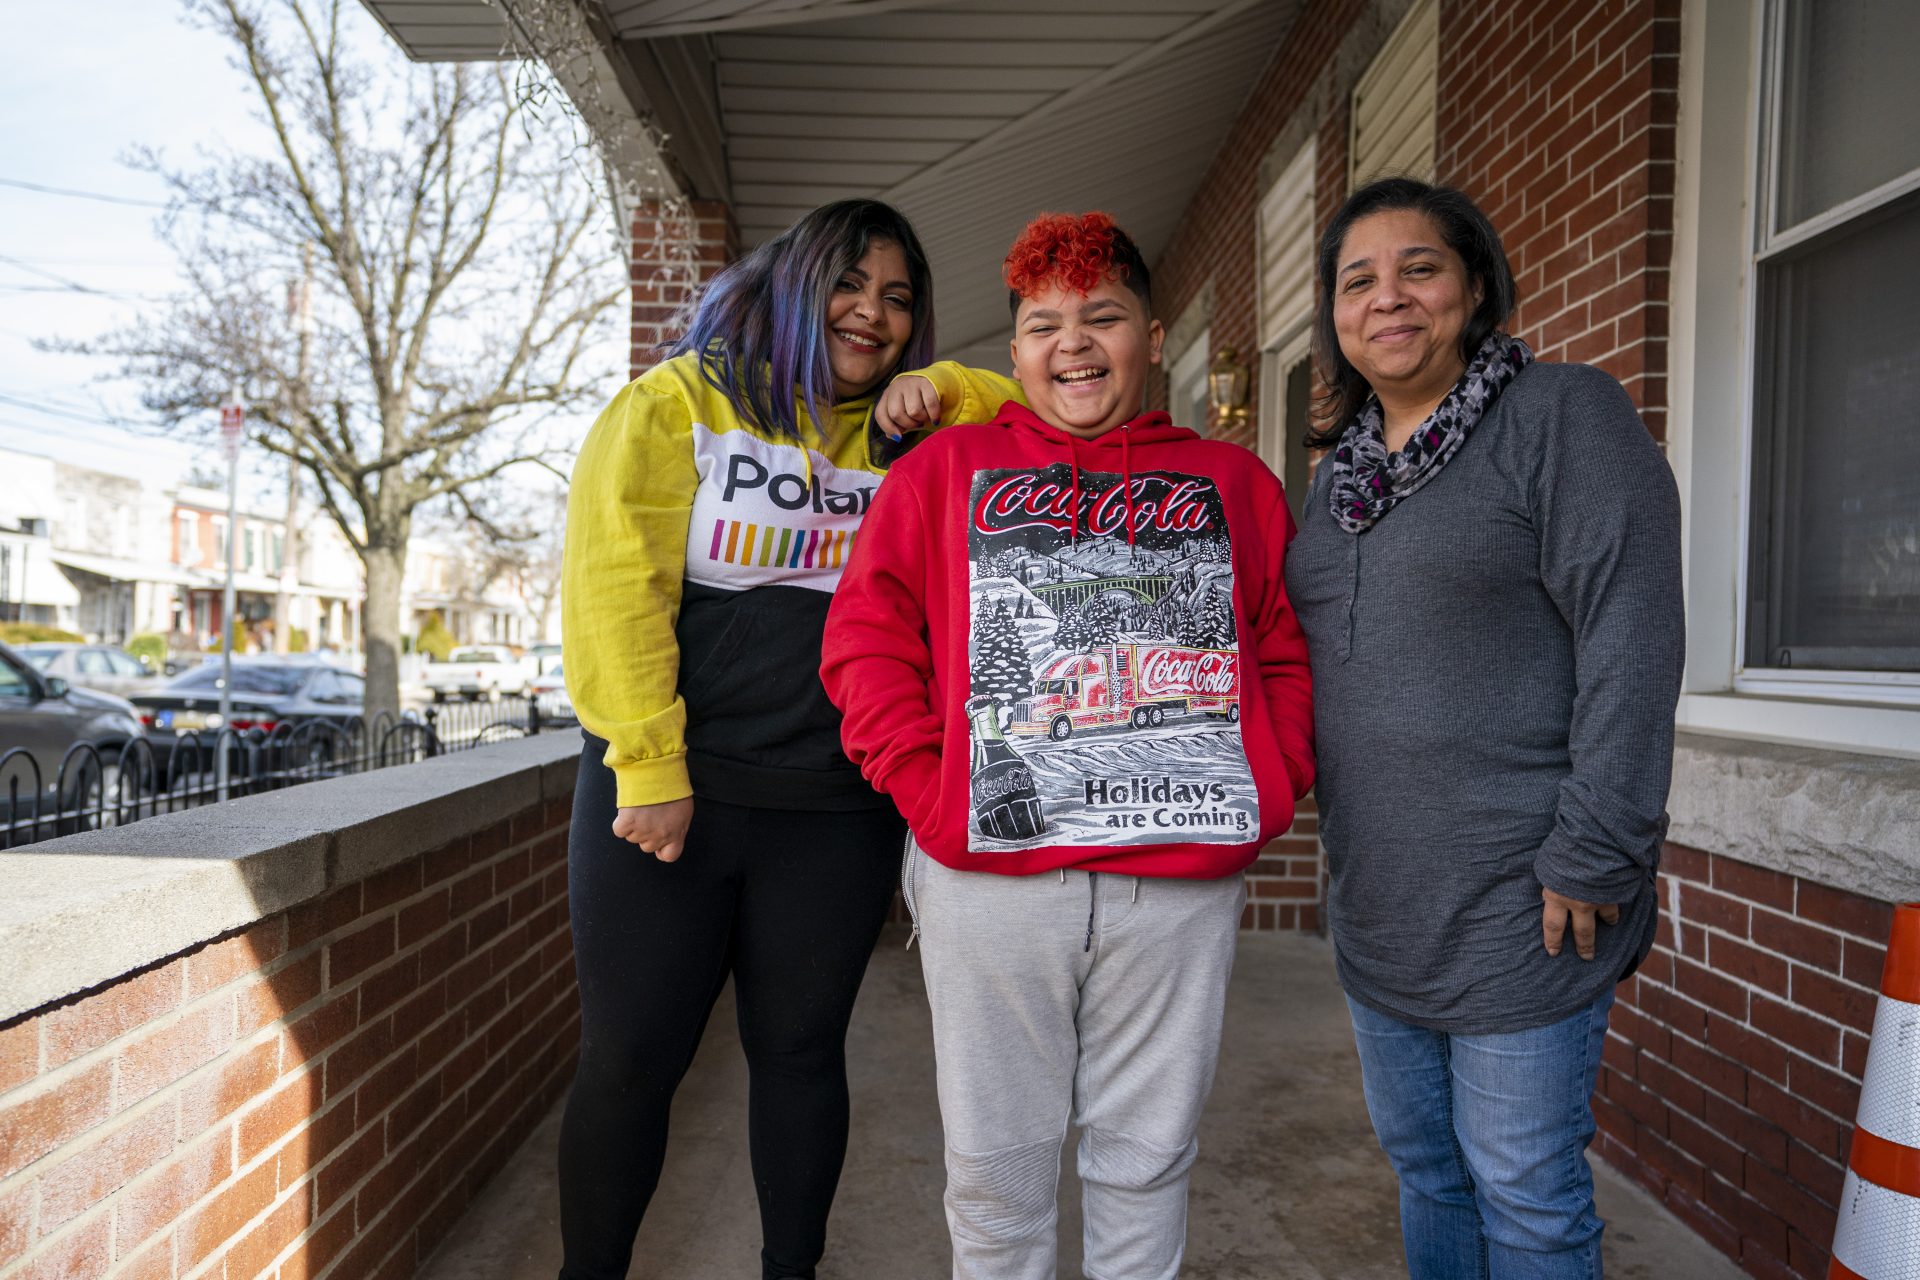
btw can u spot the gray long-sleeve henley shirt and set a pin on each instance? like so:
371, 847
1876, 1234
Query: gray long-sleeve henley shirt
1495, 668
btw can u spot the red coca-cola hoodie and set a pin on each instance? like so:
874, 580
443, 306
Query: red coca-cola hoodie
1055, 652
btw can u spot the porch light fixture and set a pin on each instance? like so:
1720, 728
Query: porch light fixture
1227, 388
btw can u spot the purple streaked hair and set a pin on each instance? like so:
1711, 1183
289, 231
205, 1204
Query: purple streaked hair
761, 325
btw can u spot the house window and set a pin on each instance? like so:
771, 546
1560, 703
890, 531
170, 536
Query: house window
1286, 322
187, 527
1187, 385
220, 540
1833, 539
1393, 105
247, 546
279, 551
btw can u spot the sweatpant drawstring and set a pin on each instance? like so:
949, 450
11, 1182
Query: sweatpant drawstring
1093, 898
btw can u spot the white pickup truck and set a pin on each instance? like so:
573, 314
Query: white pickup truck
483, 672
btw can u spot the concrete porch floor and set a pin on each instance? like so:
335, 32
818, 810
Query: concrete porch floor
1289, 1186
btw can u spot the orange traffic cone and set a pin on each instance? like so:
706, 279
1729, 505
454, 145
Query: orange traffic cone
1878, 1235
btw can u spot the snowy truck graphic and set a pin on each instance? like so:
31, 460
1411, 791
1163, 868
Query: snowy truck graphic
1137, 685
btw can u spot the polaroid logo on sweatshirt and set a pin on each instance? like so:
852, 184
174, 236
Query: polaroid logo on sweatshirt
767, 513
791, 492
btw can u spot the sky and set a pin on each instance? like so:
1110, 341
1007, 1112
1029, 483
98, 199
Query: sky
80, 87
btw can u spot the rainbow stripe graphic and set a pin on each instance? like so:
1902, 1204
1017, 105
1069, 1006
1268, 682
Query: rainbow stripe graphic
739, 542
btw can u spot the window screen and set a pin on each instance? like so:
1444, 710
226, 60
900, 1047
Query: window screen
1833, 572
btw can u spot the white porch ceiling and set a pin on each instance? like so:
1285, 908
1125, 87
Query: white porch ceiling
970, 115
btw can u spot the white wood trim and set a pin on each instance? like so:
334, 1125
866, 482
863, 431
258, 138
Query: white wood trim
1874, 730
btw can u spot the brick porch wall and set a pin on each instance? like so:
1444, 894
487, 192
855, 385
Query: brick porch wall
319, 1095
1734, 1057
675, 252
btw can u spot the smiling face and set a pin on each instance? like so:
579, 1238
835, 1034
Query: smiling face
1083, 358
1401, 299
869, 319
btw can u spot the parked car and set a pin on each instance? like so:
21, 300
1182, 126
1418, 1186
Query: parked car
549, 693
267, 692
479, 671
544, 658
92, 666
44, 717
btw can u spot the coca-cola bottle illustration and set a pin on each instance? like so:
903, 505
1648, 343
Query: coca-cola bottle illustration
1006, 805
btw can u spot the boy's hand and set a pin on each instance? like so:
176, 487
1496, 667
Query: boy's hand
1559, 910
909, 402
660, 829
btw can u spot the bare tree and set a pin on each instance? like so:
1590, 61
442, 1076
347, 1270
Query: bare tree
460, 279
527, 560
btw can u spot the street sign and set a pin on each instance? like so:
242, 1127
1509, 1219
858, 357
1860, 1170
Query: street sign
232, 417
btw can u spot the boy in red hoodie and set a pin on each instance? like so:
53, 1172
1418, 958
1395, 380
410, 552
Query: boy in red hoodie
1063, 647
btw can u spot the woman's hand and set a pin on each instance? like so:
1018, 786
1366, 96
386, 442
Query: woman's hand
909, 402
660, 829
1553, 921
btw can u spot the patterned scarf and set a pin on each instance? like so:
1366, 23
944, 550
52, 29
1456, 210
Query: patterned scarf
1368, 481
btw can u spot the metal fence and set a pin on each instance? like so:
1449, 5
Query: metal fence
94, 788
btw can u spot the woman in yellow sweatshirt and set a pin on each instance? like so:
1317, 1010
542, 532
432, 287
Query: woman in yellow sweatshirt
718, 828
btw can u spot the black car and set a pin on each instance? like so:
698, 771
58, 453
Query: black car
42, 719
269, 695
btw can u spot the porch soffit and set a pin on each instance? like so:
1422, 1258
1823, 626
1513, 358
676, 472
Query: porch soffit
969, 115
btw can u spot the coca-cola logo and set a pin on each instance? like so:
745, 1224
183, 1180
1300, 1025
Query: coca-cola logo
1016, 779
1029, 499
1189, 671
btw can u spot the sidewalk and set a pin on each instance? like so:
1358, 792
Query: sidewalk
1289, 1185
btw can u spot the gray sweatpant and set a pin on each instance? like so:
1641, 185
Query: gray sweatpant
1094, 996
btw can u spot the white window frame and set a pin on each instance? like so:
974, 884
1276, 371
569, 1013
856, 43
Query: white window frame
1186, 371
1718, 202
1284, 339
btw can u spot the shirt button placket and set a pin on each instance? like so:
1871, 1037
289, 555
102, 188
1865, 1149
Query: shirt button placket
1353, 589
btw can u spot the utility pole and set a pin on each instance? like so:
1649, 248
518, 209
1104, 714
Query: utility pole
300, 309
232, 418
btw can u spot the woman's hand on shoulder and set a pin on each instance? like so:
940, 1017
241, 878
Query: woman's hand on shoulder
909, 403
659, 829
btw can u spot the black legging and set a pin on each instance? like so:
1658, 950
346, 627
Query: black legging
790, 903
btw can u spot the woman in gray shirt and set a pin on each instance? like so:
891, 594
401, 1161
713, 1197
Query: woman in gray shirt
1488, 572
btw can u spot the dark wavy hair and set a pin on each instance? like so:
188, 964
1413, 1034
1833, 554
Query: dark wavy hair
761, 326
1467, 232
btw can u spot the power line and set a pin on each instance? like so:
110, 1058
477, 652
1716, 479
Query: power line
92, 419
82, 195
60, 280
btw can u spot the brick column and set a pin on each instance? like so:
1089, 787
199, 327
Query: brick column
676, 250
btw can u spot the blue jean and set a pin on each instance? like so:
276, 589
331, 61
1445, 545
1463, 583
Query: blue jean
1488, 1134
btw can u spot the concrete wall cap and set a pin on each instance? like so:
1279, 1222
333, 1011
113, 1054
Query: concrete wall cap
1844, 820
83, 910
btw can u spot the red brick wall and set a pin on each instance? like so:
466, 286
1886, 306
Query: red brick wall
675, 251
317, 1096
1559, 119
1286, 884
1734, 1058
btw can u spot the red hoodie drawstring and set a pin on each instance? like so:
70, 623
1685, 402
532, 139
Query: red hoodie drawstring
1126, 478
1073, 529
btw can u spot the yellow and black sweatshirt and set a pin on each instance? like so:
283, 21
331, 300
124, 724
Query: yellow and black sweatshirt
701, 556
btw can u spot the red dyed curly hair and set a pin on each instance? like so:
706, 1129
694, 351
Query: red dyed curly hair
1074, 251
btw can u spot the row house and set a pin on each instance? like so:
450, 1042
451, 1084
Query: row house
110, 556
1713, 200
